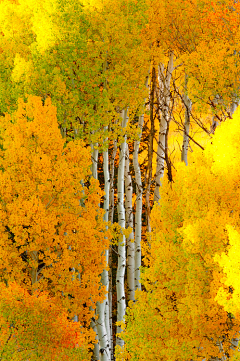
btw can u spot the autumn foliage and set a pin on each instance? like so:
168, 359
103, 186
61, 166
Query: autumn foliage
118, 91
52, 233
34, 327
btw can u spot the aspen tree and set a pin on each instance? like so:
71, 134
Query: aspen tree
130, 264
103, 321
191, 271
111, 216
188, 107
139, 194
121, 298
163, 94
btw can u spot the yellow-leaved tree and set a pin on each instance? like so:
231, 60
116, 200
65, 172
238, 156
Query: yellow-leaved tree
53, 237
189, 308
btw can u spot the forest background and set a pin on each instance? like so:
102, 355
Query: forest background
119, 196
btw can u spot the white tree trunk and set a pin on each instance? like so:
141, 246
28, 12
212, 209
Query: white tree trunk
233, 106
94, 161
95, 175
138, 213
163, 94
111, 216
96, 345
104, 345
188, 108
129, 223
102, 309
121, 302
112, 168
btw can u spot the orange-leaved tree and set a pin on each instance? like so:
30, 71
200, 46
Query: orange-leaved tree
34, 327
53, 236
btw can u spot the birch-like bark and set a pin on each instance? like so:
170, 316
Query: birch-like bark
139, 192
93, 322
233, 106
63, 130
129, 223
112, 168
94, 166
216, 100
93, 326
106, 273
102, 308
163, 94
104, 344
75, 133
121, 302
138, 213
188, 108
103, 322
148, 176
111, 218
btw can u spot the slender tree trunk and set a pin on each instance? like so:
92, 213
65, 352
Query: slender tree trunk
106, 218
148, 177
63, 130
139, 192
75, 133
96, 345
188, 108
93, 322
103, 307
111, 216
163, 94
121, 301
129, 223
112, 168
138, 213
94, 166
161, 137
102, 331
63, 127
34, 270
233, 106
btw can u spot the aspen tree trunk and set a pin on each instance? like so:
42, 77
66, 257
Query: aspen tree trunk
112, 161
129, 223
188, 108
63, 127
111, 216
215, 122
121, 302
34, 270
102, 352
102, 331
164, 101
103, 327
139, 192
138, 213
75, 133
96, 345
106, 218
93, 322
148, 177
233, 106
94, 161
63, 130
